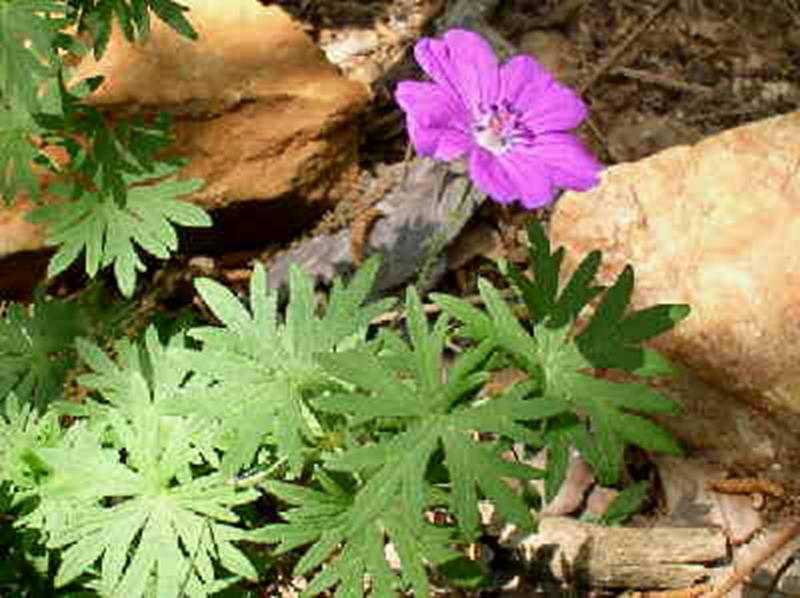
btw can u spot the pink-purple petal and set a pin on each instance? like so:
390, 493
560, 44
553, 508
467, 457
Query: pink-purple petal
531, 178
490, 177
430, 104
437, 126
546, 104
569, 163
470, 88
440, 143
464, 63
523, 76
559, 109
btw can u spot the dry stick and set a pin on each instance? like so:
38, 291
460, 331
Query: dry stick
742, 570
668, 82
693, 592
611, 60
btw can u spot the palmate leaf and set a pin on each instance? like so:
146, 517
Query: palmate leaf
612, 339
22, 432
36, 348
541, 291
438, 421
28, 35
267, 367
331, 520
17, 153
96, 17
171, 527
111, 152
109, 234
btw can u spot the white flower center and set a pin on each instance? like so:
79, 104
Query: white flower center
498, 127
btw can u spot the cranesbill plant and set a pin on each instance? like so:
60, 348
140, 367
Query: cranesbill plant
510, 121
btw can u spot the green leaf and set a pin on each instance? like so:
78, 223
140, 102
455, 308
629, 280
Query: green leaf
28, 32
353, 549
36, 345
477, 323
149, 516
267, 368
96, 18
626, 504
644, 324
109, 235
644, 433
473, 467
613, 337
600, 426
113, 154
558, 438
17, 153
22, 433
437, 421
540, 291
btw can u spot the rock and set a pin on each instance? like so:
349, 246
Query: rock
717, 226
258, 111
17, 234
263, 118
412, 234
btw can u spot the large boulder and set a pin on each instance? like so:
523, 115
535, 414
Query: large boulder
717, 226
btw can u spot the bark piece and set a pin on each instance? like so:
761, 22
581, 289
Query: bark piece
605, 557
422, 215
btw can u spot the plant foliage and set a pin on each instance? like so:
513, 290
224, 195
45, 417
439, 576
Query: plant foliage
107, 210
96, 18
270, 364
109, 234
377, 447
36, 349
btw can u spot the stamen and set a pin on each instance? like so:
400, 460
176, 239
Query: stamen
500, 127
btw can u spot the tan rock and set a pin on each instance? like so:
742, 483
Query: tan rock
259, 111
715, 225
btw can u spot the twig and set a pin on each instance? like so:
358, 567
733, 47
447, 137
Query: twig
776, 578
612, 59
693, 592
664, 81
749, 564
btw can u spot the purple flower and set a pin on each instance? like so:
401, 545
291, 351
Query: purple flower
510, 120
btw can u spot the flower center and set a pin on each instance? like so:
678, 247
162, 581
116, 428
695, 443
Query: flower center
497, 127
